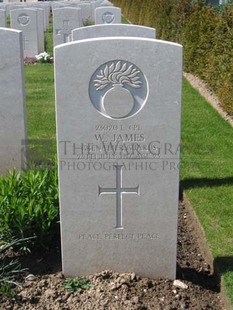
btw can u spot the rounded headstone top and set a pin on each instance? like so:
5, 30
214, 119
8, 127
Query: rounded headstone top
106, 3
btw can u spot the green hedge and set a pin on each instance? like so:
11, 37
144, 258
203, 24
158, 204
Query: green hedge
205, 32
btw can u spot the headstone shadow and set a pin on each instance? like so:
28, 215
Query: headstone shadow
205, 182
201, 278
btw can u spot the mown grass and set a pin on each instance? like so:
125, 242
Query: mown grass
40, 111
49, 38
206, 165
207, 176
124, 20
8, 21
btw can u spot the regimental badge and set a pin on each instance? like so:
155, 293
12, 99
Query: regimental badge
118, 89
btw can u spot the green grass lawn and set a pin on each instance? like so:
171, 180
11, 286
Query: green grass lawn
207, 176
124, 20
206, 164
40, 104
49, 38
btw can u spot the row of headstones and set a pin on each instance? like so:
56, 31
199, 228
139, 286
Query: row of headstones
118, 104
12, 82
87, 7
32, 19
7, 7
33, 22
66, 19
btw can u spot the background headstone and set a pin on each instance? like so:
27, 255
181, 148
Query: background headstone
64, 21
4, 6
2, 18
87, 12
26, 21
40, 26
59, 5
12, 101
106, 3
118, 126
97, 3
113, 30
14, 6
107, 15
46, 11
47, 14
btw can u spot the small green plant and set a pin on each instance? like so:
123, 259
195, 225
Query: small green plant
74, 285
10, 269
49, 37
87, 21
29, 206
6, 289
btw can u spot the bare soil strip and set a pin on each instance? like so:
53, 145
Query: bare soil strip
114, 291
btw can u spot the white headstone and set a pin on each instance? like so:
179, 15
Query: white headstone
12, 1
97, 3
26, 21
113, 30
106, 3
40, 26
12, 101
4, 6
64, 21
107, 15
59, 5
45, 7
47, 15
2, 18
118, 103
87, 13
14, 6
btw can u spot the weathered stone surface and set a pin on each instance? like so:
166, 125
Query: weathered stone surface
118, 123
106, 3
113, 30
12, 101
2, 18
26, 21
64, 21
87, 12
107, 15
40, 26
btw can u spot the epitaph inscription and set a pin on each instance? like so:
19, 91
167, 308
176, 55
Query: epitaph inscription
119, 236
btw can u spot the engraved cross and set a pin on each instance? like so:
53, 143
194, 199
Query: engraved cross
65, 33
119, 190
24, 42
